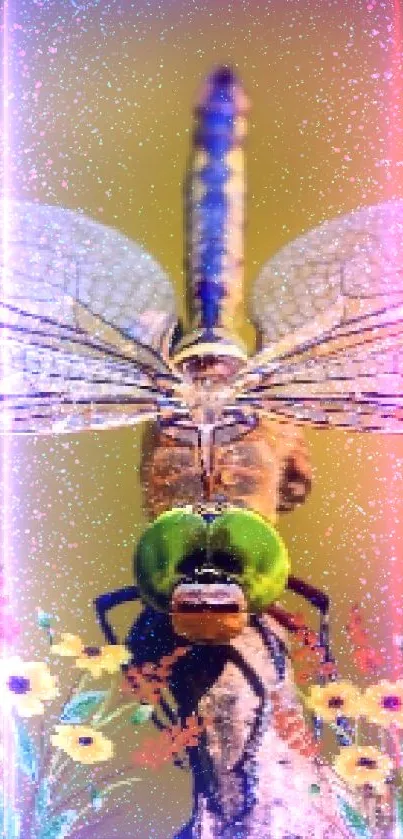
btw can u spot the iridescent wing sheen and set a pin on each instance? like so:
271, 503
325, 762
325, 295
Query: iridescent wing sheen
330, 310
82, 312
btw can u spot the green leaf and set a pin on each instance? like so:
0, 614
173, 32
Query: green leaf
81, 707
354, 821
59, 826
26, 754
96, 799
44, 620
141, 714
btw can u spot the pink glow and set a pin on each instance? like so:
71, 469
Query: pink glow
395, 111
395, 181
8, 780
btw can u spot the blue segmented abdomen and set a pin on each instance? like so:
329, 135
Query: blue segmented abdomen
217, 202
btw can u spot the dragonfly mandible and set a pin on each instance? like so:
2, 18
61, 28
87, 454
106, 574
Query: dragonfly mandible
91, 339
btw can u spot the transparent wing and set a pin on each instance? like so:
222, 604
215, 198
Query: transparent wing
113, 277
331, 315
353, 262
82, 311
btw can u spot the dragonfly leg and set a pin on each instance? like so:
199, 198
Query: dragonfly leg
314, 595
108, 601
105, 602
321, 601
273, 644
150, 639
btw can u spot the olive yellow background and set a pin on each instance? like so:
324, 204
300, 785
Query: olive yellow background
101, 99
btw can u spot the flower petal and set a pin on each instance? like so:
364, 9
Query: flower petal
70, 645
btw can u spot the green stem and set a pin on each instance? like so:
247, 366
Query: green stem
61, 768
96, 720
62, 804
59, 803
29, 811
117, 713
100, 822
111, 788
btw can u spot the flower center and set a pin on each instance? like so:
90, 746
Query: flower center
92, 652
367, 762
392, 703
19, 685
336, 702
85, 741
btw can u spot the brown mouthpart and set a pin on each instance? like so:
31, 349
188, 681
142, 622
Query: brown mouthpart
208, 612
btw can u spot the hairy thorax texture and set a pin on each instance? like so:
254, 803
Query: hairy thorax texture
267, 470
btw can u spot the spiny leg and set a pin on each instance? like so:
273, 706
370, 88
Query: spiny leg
321, 601
105, 602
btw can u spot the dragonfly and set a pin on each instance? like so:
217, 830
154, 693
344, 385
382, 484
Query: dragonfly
91, 339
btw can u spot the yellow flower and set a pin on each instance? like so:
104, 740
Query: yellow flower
383, 703
336, 699
82, 743
91, 658
364, 766
95, 659
87, 657
113, 656
26, 685
70, 645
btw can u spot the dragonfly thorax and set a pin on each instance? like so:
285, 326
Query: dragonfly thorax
209, 346
208, 362
209, 357
210, 369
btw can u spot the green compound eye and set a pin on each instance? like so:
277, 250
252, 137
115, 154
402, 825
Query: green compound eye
239, 540
164, 545
258, 549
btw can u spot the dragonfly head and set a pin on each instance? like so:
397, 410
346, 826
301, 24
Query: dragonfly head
223, 88
210, 573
